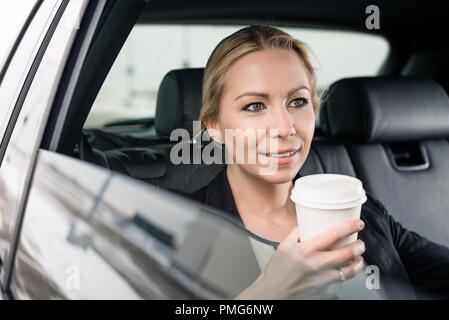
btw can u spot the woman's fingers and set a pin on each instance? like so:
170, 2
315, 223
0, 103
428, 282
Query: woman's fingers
326, 239
330, 281
350, 270
342, 256
333, 275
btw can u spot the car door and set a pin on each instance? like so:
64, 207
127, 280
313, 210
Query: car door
26, 93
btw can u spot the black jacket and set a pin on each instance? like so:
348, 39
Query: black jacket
410, 266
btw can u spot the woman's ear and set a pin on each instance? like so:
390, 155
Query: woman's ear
213, 130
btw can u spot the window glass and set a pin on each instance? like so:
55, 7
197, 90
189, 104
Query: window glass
12, 18
130, 89
92, 234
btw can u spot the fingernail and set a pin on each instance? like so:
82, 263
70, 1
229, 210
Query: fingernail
360, 249
360, 224
361, 260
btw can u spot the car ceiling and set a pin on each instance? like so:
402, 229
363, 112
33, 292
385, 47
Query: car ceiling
409, 19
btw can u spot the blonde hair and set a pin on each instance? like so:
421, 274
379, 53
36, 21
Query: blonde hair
230, 49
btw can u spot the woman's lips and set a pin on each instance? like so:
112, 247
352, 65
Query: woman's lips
283, 157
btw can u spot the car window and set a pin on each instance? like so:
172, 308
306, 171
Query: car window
130, 90
89, 233
12, 18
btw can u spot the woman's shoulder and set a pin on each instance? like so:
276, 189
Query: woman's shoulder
373, 208
373, 204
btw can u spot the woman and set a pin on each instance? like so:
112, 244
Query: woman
260, 80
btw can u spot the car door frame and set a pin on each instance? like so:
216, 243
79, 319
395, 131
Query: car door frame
30, 70
71, 110
19, 38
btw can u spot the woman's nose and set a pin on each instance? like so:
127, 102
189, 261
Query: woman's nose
283, 122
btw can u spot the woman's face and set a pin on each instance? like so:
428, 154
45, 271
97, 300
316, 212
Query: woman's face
267, 106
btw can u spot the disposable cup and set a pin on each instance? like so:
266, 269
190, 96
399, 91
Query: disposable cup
324, 200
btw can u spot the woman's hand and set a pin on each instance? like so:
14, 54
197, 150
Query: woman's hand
309, 269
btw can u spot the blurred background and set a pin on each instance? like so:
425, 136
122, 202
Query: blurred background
130, 90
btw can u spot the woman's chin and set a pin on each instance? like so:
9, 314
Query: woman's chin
275, 171
280, 170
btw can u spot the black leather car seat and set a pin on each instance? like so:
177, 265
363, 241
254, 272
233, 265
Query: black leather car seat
178, 104
140, 163
395, 131
178, 101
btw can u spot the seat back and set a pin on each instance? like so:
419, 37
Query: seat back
395, 131
178, 101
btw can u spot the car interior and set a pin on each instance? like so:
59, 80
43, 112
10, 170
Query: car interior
389, 130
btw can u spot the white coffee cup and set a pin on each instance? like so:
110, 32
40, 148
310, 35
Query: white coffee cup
324, 200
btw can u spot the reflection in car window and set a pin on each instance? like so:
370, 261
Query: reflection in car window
92, 234
130, 90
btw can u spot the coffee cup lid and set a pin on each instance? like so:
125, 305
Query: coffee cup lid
328, 191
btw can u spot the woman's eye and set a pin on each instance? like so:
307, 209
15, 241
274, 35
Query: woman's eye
254, 107
299, 102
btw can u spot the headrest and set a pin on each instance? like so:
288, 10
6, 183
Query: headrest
386, 109
178, 100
